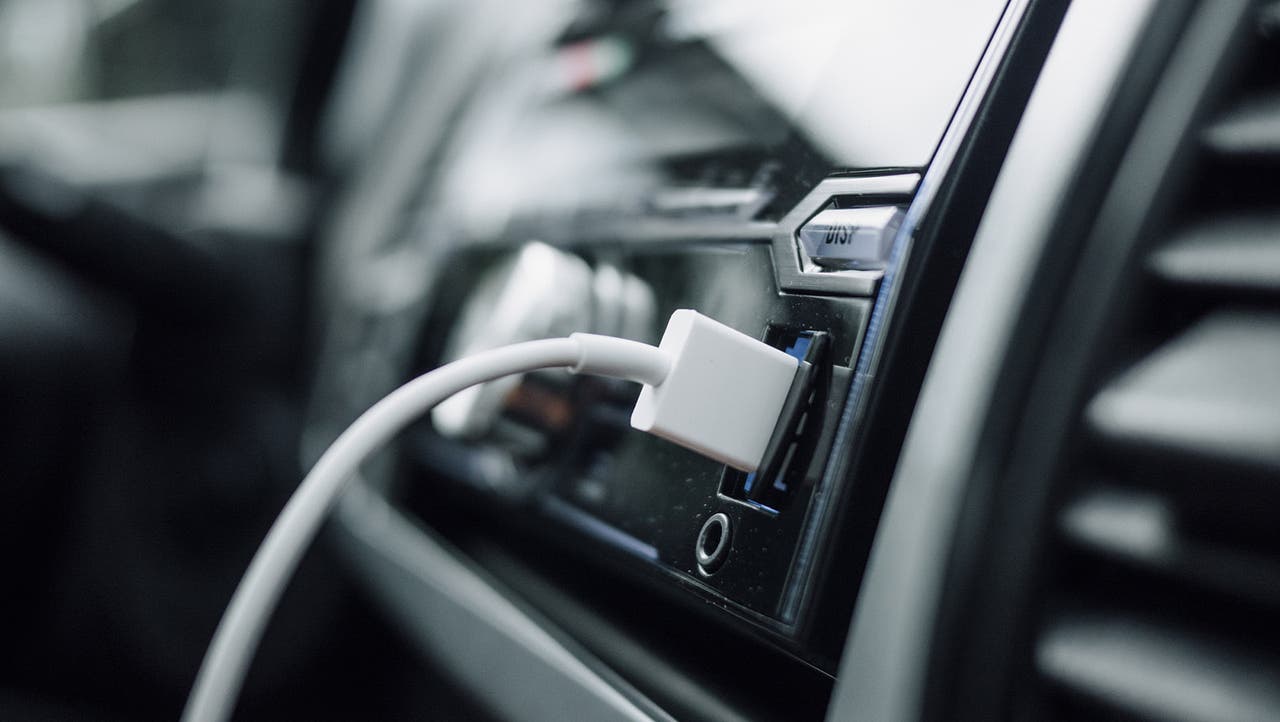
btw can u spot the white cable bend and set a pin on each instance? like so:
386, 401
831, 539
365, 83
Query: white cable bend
227, 660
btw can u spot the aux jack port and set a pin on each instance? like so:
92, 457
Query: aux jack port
712, 547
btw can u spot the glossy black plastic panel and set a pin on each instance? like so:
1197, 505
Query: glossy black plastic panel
636, 494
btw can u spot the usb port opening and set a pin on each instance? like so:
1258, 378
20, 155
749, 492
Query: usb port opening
788, 462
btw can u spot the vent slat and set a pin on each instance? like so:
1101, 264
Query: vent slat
1142, 529
1238, 252
1249, 131
1158, 672
1212, 393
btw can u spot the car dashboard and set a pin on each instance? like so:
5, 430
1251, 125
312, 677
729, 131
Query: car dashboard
1023, 250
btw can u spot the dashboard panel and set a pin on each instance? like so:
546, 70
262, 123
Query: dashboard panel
613, 163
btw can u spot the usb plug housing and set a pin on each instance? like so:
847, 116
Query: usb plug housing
723, 395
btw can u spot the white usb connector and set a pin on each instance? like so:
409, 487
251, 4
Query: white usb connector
722, 395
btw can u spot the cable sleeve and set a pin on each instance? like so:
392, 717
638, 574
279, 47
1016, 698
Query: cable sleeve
621, 358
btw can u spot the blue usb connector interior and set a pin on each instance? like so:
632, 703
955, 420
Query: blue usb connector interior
810, 349
798, 348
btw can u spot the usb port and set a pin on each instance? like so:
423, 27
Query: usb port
795, 439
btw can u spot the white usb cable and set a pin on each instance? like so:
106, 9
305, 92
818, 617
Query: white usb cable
706, 386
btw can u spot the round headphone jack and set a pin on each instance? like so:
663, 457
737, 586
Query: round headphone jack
712, 547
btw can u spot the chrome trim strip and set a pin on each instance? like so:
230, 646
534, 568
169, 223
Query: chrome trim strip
887, 297
786, 254
884, 668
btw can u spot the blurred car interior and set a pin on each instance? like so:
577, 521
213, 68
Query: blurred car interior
1027, 252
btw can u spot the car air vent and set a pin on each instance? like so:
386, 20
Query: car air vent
1163, 593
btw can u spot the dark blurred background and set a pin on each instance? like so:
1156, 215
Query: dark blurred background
160, 184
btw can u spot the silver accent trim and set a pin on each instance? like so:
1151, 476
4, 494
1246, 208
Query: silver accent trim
886, 297
786, 253
884, 667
